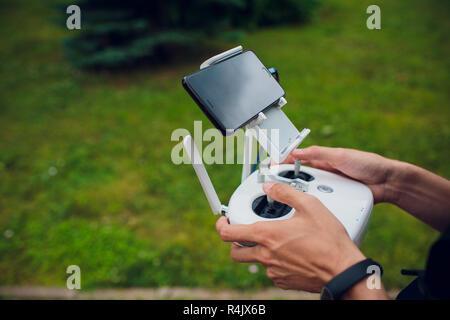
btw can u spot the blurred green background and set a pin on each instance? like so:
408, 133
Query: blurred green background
85, 171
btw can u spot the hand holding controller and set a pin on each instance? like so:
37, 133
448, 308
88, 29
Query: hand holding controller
369, 168
302, 253
313, 231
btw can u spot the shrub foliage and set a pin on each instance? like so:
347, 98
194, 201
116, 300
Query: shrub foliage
117, 33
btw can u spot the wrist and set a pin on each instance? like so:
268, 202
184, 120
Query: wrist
360, 291
348, 255
353, 283
398, 174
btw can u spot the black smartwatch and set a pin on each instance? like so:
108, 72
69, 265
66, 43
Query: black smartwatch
334, 289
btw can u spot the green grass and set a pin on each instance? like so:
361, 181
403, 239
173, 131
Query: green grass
119, 208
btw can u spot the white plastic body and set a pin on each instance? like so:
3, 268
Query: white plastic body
253, 131
202, 175
351, 202
277, 144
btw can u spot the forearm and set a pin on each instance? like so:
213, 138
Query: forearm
421, 193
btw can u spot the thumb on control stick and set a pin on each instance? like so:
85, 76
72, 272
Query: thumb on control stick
285, 194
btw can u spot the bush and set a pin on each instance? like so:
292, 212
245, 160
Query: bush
118, 33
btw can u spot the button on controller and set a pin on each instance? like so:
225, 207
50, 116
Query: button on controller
325, 189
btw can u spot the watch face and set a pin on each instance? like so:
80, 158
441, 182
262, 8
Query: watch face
326, 294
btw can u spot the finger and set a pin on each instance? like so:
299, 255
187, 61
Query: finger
316, 153
245, 254
281, 284
310, 153
237, 232
319, 164
285, 194
290, 159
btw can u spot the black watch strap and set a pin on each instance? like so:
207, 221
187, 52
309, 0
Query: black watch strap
334, 289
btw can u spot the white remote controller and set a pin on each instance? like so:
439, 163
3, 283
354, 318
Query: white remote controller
350, 201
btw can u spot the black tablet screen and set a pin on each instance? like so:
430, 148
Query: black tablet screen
235, 90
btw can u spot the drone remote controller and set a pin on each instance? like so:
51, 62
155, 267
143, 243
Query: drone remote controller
351, 202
